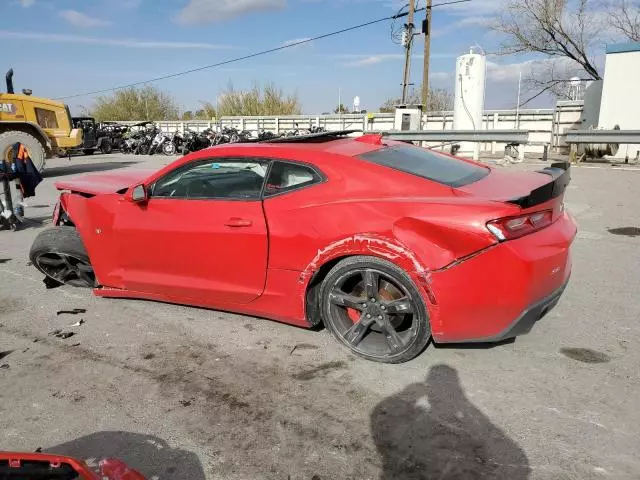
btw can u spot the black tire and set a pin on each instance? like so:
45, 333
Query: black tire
169, 148
34, 147
106, 147
378, 335
88, 151
59, 253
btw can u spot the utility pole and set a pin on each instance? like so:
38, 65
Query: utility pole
407, 40
426, 29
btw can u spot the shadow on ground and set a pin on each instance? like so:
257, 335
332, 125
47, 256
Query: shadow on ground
431, 430
73, 169
150, 455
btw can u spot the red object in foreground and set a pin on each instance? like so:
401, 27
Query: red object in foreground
29, 466
386, 243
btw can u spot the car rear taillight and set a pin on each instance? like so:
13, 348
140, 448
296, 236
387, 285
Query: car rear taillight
516, 227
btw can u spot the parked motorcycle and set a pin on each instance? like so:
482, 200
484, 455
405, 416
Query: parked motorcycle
159, 141
194, 141
174, 144
146, 140
264, 135
231, 135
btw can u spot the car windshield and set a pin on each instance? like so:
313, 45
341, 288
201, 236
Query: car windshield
428, 164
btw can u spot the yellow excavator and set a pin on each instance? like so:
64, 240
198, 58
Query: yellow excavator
41, 125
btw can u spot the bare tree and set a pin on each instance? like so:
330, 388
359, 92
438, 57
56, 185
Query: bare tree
624, 16
566, 31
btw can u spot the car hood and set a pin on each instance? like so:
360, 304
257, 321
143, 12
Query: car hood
111, 182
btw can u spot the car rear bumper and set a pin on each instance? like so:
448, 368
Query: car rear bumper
502, 292
525, 322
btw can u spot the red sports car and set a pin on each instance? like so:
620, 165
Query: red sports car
385, 243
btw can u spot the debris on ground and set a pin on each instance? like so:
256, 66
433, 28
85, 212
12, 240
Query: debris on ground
74, 311
303, 346
5, 366
78, 323
5, 354
4, 260
61, 334
50, 283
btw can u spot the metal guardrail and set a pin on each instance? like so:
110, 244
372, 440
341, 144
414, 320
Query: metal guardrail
603, 136
520, 137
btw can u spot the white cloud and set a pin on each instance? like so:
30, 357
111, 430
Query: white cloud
366, 60
510, 72
79, 19
206, 11
27, 3
115, 42
294, 41
126, 3
475, 8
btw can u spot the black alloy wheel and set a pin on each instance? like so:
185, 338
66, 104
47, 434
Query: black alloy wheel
59, 253
373, 307
67, 269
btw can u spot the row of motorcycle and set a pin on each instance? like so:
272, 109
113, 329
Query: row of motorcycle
151, 140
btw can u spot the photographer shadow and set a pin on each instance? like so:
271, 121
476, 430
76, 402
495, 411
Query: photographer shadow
431, 430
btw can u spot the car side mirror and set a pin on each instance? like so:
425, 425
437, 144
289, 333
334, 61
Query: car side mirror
139, 194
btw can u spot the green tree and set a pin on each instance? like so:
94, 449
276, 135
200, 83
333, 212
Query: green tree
439, 100
147, 103
267, 100
341, 109
207, 112
188, 115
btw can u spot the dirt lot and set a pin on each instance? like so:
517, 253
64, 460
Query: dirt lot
184, 393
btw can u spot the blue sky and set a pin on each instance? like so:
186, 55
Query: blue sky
64, 47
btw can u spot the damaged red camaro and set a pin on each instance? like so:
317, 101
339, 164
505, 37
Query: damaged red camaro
386, 244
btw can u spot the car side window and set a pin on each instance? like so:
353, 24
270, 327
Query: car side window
234, 179
285, 177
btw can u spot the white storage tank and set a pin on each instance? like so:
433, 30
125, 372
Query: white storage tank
471, 72
620, 99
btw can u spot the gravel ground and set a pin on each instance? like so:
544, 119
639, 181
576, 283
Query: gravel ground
185, 393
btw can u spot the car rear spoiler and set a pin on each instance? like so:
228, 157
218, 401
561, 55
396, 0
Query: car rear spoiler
561, 175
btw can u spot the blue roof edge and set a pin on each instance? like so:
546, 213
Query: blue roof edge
623, 47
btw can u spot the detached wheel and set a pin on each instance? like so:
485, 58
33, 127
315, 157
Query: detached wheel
35, 149
373, 307
59, 253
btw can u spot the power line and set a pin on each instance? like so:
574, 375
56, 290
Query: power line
257, 54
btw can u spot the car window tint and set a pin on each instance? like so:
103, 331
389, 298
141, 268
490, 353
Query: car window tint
428, 164
285, 177
213, 179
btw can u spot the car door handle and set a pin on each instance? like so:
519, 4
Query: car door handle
238, 222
